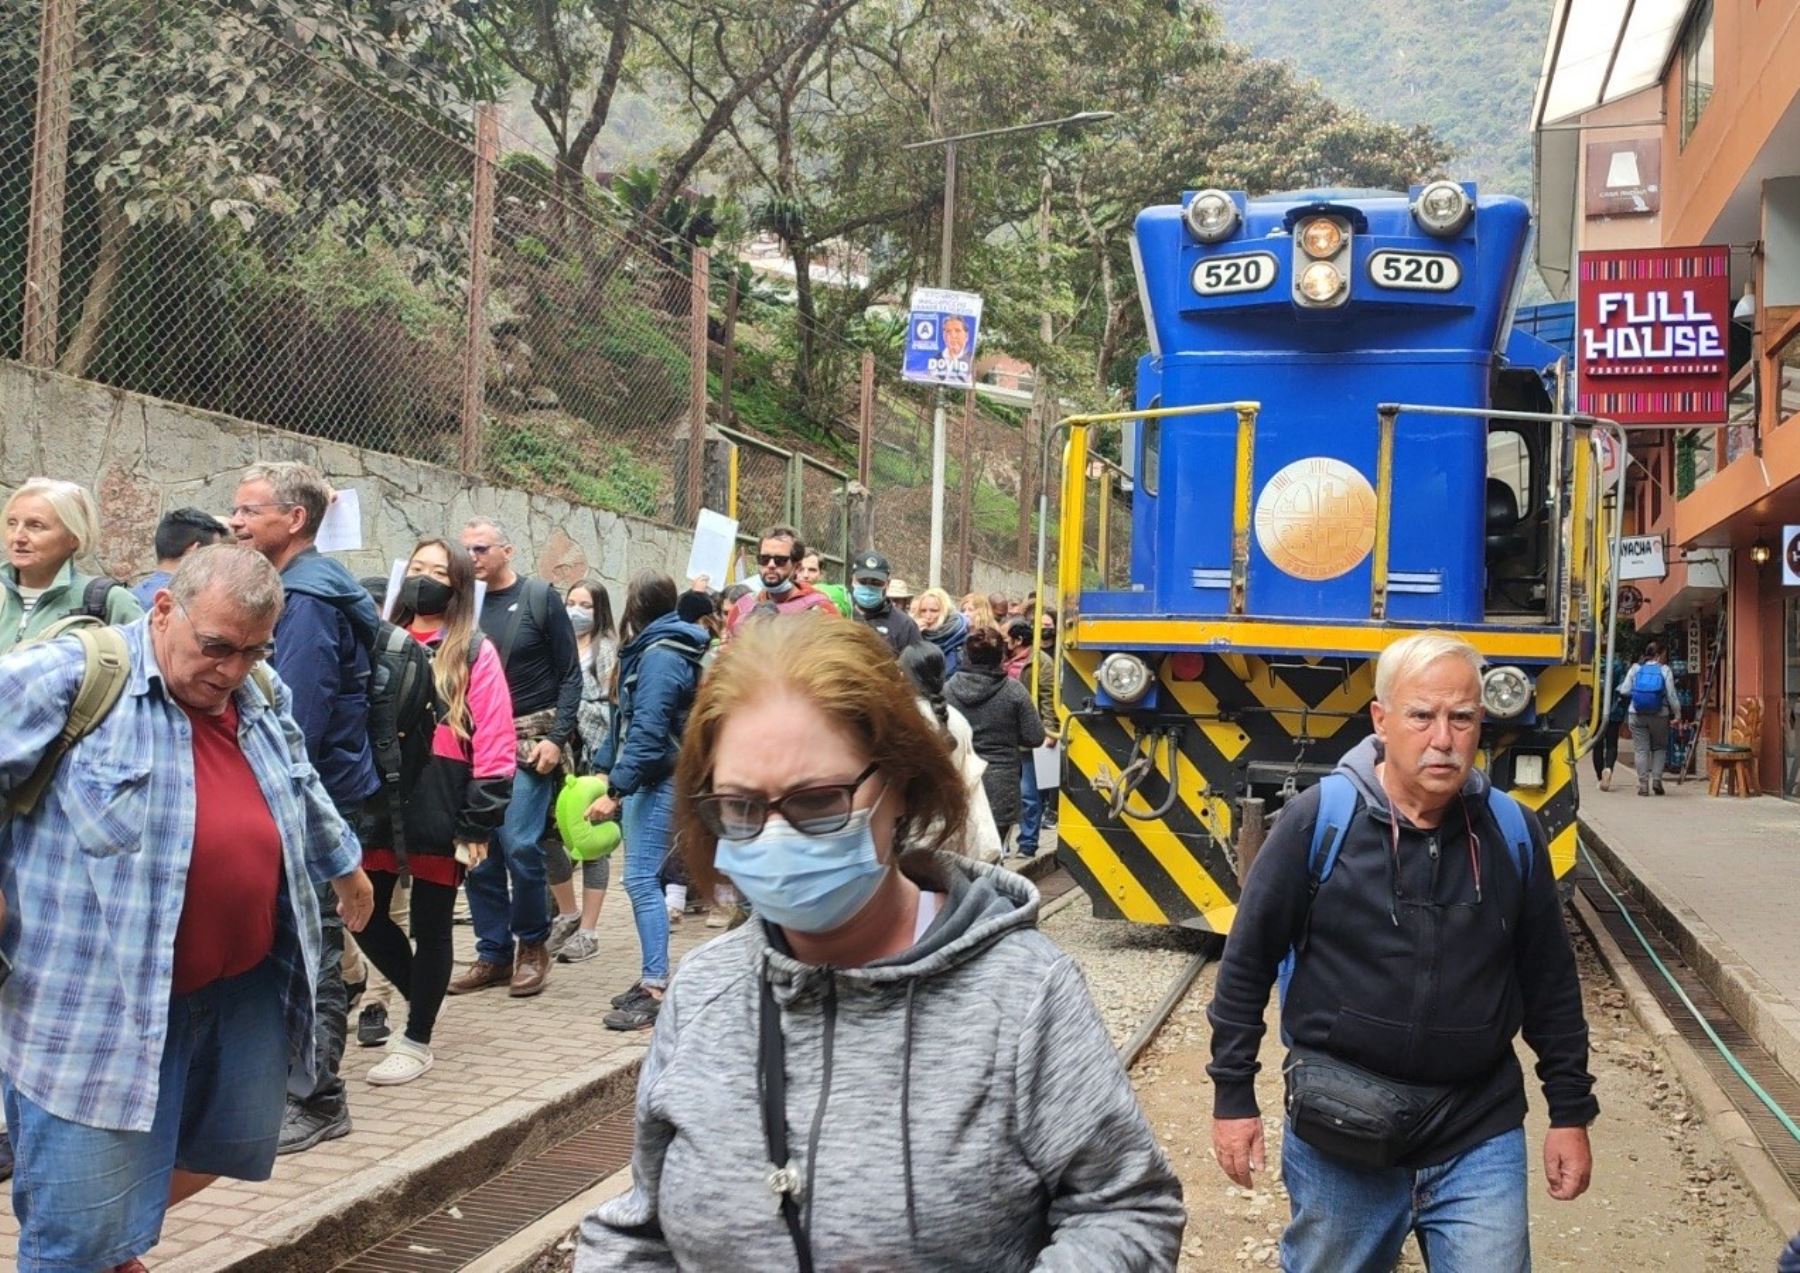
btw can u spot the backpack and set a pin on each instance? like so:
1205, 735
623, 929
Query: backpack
106, 667
90, 613
1648, 690
1337, 806
403, 718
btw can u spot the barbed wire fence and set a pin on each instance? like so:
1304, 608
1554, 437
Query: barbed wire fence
236, 209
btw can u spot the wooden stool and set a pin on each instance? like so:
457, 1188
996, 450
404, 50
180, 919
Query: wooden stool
1733, 767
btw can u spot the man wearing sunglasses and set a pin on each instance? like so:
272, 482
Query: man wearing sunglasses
1410, 915
159, 916
778, 559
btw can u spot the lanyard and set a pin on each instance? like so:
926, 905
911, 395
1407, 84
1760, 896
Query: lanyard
1394, 826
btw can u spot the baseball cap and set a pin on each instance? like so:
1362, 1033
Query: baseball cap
871, 565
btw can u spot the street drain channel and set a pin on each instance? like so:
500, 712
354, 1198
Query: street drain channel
480, 1220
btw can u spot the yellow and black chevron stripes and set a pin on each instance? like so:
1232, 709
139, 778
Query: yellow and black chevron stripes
1171, 865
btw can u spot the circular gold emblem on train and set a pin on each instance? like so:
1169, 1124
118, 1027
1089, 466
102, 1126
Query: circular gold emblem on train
1315, 519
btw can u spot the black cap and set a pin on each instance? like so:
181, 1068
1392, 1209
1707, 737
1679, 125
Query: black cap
871, 566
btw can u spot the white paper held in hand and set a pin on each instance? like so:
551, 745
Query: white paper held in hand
715, 535
341, 529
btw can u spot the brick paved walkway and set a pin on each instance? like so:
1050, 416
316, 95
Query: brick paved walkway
497, 1058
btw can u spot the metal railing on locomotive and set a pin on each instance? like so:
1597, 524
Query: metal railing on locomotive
1600, 571
800, 474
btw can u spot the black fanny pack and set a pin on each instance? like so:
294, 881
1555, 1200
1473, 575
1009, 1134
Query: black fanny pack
1361, 1117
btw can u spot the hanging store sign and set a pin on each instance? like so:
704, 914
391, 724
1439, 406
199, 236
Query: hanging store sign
1641, 557
940, 337
1653, 347
1630, 601
1790, 556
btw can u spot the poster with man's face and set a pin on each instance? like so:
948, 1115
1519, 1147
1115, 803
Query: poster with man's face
940, 339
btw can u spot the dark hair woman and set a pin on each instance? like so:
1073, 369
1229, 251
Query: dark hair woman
891, 1029
1005, 721
453, 807
658, 674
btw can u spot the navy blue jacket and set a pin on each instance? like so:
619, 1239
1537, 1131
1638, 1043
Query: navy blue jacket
322, 644
656, 693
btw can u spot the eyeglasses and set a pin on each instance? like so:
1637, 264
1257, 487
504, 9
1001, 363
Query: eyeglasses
817, 810
482, 550
218, 651
773, 559
249, 510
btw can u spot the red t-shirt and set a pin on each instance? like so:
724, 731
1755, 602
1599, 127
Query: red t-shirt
234, 877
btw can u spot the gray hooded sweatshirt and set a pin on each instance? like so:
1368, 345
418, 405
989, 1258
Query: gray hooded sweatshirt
957, 1106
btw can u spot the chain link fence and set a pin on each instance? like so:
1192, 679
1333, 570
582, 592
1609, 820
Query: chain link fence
252, 208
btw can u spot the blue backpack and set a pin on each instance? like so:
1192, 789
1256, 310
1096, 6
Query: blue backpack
1337, 806
1648, 691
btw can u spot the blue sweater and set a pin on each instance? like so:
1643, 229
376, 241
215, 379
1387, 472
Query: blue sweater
322, 644
659, 672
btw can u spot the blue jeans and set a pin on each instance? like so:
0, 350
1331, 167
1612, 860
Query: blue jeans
1469, 1212
647, 819
1031, 806
516, 852
88, 1198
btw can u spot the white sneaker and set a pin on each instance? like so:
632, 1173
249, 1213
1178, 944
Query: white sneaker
404, 1062
1606, 780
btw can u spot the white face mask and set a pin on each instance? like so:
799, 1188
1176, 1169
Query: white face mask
581, 619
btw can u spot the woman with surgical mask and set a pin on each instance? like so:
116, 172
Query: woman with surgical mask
574, 934
889, 1067
454, 806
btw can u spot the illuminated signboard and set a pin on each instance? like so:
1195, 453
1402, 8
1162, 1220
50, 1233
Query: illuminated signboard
1653, 346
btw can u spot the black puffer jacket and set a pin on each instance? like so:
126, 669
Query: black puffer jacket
1006, 726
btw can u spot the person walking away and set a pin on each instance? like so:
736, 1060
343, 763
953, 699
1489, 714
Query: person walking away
529, 623
597, 644
942, 625
451, 809
659, 673
924, 667
1410, 912
1004, 719
1031, 667
324, 643
157, 914
51, 526
869, 576
834, 1033
1649, 686
1606, 746
778, 558
178, 532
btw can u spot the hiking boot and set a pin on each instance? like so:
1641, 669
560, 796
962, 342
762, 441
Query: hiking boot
1658, 789
636, 1016
561, 929
631, 996
303, 1127
530, 971
579, 949
372, 1026
481, 976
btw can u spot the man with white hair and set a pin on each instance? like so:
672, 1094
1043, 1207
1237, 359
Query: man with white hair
1410, 913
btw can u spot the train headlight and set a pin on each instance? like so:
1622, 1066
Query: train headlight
1211, 216
1320, 282
1125, 677
1322, 238
1443, 208
1505, 692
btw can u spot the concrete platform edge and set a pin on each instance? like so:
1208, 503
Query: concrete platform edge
1773, 1194
1762, 1010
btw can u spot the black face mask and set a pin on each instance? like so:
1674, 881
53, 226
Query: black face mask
422, 594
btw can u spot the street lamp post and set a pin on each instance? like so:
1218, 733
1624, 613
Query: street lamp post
939, 477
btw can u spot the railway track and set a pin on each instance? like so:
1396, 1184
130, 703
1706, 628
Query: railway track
1141, 1039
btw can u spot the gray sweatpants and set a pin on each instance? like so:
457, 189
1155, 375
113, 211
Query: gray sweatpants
1649, 744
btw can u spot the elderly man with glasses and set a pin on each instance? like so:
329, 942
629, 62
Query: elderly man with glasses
159, 917
778, 559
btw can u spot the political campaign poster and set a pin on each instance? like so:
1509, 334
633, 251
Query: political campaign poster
940, 338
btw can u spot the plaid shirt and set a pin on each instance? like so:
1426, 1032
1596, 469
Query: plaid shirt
95, 879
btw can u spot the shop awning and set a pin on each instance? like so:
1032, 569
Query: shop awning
1598, 51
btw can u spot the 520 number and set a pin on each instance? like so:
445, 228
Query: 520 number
1223, 274
1415, 271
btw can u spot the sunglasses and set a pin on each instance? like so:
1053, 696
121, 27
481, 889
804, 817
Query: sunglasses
773, 559
817, 810
482, 550
219, 650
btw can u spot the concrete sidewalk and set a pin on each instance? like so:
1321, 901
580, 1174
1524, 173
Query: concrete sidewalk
510, 1075
1721, 878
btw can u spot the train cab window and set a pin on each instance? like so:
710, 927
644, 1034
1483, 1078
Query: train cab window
1515, 518
1149, 473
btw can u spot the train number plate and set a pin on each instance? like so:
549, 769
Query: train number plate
1221, 275
1415, 271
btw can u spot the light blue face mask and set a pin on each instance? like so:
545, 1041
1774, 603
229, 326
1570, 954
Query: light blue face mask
868, 596
808, 883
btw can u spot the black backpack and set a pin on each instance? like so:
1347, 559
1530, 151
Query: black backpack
402, 720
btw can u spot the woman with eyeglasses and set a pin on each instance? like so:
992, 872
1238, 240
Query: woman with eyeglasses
50, 526
452, 806
890, 1067
659, 672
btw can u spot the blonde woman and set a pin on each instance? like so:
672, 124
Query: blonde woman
50, 525
453, 801
978, 611
942, 624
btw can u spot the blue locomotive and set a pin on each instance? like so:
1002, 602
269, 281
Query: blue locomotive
1338, 437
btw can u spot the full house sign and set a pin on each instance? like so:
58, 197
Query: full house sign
1653, 346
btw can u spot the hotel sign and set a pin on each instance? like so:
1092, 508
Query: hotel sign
1653, 347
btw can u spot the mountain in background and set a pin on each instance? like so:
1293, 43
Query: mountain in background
1466, 68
